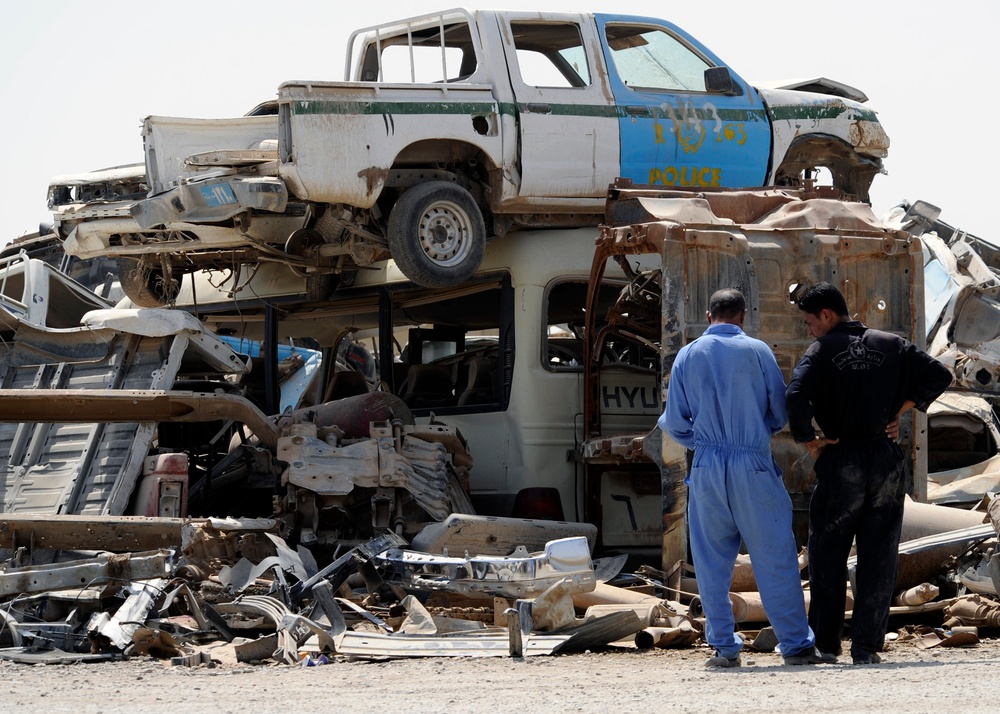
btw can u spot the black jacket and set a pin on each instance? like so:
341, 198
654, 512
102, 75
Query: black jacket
854, 381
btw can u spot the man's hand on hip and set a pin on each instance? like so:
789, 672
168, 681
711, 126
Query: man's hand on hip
817, 445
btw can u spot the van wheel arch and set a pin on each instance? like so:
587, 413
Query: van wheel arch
146, 285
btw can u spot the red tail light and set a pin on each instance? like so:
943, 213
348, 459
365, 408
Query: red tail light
539, 503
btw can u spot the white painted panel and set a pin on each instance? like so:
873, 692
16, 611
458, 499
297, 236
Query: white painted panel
170, 140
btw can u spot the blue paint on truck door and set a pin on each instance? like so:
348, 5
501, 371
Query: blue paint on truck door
673, 131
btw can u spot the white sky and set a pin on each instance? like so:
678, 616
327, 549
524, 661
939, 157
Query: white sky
77, 78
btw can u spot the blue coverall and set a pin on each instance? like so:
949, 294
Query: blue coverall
725, 399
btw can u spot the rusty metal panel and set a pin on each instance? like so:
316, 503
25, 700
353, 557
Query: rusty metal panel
116, 534
771, 261
771, 244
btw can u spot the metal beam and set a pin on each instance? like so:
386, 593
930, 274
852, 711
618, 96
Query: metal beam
80, 573
84, 406
117, 534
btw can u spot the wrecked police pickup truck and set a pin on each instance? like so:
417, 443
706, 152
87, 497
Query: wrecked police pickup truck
449, 130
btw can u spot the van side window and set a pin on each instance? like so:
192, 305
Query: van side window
457, 350
564, 321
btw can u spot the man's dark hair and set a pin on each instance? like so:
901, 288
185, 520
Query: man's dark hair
726, 304
823, 296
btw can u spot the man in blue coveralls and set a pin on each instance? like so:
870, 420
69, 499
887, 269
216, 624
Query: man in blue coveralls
725, 399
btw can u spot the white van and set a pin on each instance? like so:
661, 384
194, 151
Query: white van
500, 357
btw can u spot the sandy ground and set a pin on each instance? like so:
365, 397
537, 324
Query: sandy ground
626, 680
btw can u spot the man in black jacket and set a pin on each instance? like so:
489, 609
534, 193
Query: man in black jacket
855, 382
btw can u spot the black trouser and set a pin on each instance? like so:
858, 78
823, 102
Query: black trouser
859, 494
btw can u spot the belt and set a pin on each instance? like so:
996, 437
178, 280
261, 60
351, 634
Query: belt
737, 448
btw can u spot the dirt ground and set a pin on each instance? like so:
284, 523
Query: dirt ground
627, 680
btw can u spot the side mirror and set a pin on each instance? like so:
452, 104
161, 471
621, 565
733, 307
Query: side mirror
922, 212
719, 81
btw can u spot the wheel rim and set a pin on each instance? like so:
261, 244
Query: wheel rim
445, 233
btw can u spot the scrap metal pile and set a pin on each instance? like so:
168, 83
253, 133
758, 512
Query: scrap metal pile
232, 591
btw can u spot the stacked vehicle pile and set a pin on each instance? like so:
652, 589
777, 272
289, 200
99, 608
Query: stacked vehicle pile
388, 559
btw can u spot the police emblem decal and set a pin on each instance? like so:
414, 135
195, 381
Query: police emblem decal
858, 356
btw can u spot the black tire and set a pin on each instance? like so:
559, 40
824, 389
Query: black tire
437, 235
146, 286
319, 286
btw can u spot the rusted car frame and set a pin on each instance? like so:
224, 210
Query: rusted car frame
770, 244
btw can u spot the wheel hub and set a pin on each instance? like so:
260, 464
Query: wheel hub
444, 233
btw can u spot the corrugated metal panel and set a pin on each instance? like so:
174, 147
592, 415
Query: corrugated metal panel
79, 468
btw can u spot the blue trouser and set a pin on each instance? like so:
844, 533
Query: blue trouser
860, 488
734, 495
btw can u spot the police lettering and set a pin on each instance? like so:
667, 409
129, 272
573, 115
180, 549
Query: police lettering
705, 176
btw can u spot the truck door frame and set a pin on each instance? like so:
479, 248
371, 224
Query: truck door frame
685, 137
555, 123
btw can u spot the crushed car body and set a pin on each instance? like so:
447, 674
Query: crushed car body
962, 279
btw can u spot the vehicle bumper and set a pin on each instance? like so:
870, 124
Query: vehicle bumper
210, 201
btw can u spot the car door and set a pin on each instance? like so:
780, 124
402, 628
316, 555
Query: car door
567, 121
675, 132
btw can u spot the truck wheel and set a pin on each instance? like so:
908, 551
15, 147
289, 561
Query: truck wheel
437, 235
146, 286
